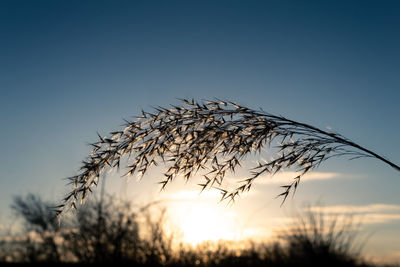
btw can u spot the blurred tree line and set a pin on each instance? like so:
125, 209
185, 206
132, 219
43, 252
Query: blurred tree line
102, 230
107, 230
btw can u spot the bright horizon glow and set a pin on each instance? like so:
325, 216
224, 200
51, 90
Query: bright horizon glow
200, 218
71, 69
207, 223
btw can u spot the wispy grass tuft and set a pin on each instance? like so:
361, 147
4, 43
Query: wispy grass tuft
212, 137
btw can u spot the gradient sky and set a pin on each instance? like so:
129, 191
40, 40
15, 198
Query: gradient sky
71, 68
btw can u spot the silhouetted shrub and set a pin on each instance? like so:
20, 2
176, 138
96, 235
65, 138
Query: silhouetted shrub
116, 232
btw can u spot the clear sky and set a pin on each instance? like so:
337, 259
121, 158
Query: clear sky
71, 68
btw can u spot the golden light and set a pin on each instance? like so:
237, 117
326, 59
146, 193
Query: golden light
207, 223
201, 219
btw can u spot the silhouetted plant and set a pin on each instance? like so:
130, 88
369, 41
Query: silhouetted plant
158, 244
316, 239
41, 225
103, 230
108, 231
36, 213
213, 137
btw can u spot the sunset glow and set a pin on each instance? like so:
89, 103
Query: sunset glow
199, 217
198, 133
207, 223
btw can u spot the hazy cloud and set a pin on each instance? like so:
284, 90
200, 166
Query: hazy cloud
370, 214
288, 176
353, 209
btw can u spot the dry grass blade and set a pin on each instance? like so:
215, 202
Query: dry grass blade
214, 137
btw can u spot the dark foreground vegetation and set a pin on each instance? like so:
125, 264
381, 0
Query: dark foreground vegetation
107, 231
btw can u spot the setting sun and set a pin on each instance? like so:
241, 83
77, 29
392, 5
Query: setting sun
200, 219
200, 133
207, 223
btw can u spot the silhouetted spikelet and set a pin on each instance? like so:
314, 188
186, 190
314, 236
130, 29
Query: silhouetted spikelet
212, 136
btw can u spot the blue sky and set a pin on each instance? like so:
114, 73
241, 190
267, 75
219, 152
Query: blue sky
71, 68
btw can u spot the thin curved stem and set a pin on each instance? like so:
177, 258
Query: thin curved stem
214, 137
